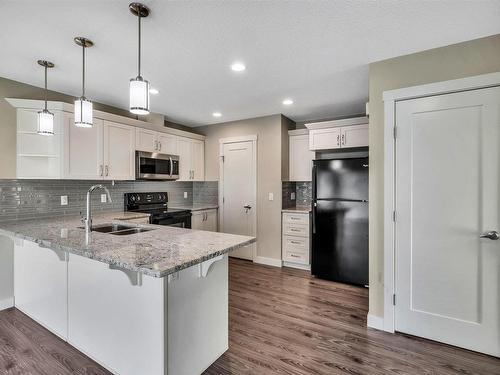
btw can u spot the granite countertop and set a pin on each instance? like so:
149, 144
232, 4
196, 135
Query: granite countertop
156, 253
298, 209
194, 207
128, 215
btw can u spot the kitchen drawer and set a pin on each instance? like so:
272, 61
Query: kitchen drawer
296, 229
296, 244
296, 218
295, 257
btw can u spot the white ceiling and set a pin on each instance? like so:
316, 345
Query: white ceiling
315, 52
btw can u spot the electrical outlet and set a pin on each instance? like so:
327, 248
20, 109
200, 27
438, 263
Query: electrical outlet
64, 200
292, 196
185, 195
271, 196
104, 198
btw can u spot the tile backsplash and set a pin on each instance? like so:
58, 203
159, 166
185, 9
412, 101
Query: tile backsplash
25, 199
302, 190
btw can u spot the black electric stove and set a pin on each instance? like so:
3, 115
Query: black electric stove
156, 204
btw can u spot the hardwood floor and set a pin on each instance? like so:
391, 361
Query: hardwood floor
281, 322
286, 322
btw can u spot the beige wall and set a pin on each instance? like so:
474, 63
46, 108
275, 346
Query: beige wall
269, 130
456, 61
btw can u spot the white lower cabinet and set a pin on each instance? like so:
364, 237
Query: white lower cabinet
295, 240
118, 324
128, 322
204, 220
40, 285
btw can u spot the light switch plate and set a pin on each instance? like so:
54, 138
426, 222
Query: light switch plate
103, 198
185, 194
271, 196
64, 200
292, 196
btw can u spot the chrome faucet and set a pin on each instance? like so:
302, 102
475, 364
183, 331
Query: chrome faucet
88, 219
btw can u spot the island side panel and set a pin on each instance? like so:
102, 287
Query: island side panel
40, 285
197, 316
118, 324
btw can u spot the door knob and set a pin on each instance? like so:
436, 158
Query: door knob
492, 235
247, 207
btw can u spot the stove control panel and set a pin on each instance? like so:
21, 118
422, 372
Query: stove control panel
142, 199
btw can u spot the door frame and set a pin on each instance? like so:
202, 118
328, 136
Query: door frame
222, 142
390, 98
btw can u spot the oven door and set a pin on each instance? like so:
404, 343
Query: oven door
155, 166
180, 221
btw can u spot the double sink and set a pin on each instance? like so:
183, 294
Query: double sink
119, 229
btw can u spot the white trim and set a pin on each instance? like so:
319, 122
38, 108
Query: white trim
306, 267
444, 87
243, 138
375, 322
336, 123
298, 132
390, 99
222, 142
268, 261
66, 107
6, 303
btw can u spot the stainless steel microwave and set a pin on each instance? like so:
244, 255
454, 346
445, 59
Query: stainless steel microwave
155, 166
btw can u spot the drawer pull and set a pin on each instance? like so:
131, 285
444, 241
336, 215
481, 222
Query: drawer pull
296, 242
294, 230
294, 256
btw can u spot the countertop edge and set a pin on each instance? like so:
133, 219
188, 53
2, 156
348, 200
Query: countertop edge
144, 271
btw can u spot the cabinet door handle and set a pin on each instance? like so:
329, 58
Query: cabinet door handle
107, 170
295, 242
343, 139
338, 139
159, 146
101, 170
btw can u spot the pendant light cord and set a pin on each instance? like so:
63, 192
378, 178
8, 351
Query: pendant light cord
45, 86
83, 71
139, 58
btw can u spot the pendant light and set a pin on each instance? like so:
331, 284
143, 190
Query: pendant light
139, 87
83, 106
45, 117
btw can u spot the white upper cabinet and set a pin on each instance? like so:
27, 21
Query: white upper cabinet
300, 157
191, 159
119, 151
167, 143
104, 151
336, 134
152, 141
83, 151
145, 140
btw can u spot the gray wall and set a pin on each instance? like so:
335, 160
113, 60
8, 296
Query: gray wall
470, 58
270, 150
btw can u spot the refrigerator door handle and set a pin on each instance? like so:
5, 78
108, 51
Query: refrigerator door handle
314, 218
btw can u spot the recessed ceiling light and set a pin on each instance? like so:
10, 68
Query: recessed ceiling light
238, 67
153, 91
288, 102
217, 114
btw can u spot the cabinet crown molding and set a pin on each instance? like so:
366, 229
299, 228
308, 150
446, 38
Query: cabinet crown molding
298, 132
337, 123
34, 104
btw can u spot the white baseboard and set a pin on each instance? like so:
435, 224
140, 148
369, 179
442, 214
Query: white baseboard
268, 261
306, 267
6, 303
376, 322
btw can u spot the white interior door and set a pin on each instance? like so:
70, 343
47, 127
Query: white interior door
239, 192
447, 187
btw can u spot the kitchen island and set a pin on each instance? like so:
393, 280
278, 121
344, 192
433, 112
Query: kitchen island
154, 302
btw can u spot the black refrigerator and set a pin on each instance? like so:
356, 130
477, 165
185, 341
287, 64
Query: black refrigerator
340, 220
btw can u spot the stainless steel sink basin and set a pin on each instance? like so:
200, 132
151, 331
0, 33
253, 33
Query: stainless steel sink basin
119, 229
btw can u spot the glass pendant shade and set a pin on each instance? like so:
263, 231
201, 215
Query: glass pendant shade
83, 113
45, 122
139, 96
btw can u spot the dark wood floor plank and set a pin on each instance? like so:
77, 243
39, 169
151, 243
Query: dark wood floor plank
281, 321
